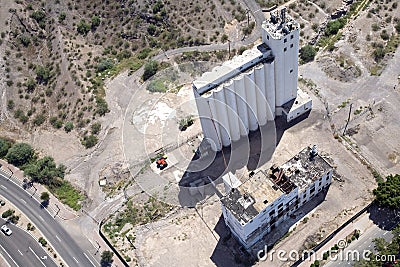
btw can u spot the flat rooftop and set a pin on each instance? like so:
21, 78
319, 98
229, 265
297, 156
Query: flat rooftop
231, 68
251, 197
278, 26
259, 191
300, 100
303, 169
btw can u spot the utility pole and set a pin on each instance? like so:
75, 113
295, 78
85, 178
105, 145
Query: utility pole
12, 173
33, 191
57, 210
248, 17
348, 120
97, 248
229, 48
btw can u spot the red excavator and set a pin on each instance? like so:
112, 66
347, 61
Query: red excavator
162, 163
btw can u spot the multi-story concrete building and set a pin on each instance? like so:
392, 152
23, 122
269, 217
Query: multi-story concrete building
255, 207
253, 88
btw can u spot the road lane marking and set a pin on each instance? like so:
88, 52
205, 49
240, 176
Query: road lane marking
89, 259
9, 255
75, 260
385, 232
23, 200
93, 258
20, 252
58, 238
41, 218
2, 186
91, 242
37, 257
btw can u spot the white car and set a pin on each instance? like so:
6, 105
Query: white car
6, 230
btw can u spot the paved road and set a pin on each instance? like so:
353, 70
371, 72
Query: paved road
53, 232
365, 242
259, 17
20, 249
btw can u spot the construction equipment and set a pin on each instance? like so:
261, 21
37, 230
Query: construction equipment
162, 162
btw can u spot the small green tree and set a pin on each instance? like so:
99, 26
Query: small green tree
4, 147
150, 68
62, 17
307, 53
106, 258
25, 40
45, 171
31, 84
334, 26
89, 141
151, 29
45, 196
101, 106
95, 22
397, 26
39, 119
20, 154
387, 193
43, 74
10, 104
378, 54
42, 241
96, 127
83, 27
68, 126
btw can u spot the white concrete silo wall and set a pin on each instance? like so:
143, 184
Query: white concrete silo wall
295, 52
269, 72
290, 68
215, 124
277, 49
259, 77
251, 100
242, 106
222, 116
204, 112
232, 111
286, 72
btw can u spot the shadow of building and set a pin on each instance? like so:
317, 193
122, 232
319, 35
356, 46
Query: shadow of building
229, 250
207, 167
385, 218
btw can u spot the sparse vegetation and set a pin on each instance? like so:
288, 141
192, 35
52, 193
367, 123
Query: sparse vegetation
157, 85
150, 68
307, 53
106, 258
89, 141
185, 123
334, 26
42, 241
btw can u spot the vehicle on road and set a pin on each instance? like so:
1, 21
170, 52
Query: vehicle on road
2, 202
6, 230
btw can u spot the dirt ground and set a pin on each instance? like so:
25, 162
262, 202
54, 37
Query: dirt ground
203, 241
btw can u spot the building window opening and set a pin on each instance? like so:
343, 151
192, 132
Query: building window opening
291, 70
291, 46
291, 36
285, 40
284, 50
